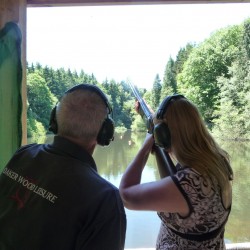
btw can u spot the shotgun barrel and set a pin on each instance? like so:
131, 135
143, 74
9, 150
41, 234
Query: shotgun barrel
165, 164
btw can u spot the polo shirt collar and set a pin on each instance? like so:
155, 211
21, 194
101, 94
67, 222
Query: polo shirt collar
68, 147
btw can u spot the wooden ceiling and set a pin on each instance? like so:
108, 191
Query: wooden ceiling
43, 3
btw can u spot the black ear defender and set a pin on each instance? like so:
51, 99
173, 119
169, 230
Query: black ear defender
106, 133
52, 122
162, 135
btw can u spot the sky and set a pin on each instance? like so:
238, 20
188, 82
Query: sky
124, 42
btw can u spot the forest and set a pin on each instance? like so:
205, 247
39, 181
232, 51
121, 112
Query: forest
214, 75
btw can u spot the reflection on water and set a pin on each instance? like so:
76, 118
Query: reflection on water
238, 228
143, 226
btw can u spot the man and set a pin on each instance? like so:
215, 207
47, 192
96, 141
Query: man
51, 195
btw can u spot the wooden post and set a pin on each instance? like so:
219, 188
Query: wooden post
23, 25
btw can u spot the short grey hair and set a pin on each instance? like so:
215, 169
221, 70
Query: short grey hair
80, 114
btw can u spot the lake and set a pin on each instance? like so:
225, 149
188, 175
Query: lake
143, 226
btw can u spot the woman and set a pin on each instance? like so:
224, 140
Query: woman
193, 204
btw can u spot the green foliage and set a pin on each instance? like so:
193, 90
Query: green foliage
234, 109
119, 98
169, 85
138, 124
215, 75
232, 114
182, 57
147, 97
35, 129
206, 62
46, 86
40, 99
246, 37
156, 92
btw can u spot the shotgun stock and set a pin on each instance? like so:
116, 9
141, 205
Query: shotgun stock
165, 164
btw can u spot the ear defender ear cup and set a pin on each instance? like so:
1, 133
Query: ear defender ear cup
162, 135
161, 131
52, 121
106, 133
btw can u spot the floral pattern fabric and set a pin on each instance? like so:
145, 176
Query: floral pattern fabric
207, 214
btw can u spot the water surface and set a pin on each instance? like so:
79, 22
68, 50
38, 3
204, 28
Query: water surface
143, 226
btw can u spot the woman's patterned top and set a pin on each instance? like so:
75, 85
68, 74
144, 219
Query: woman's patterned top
205, 222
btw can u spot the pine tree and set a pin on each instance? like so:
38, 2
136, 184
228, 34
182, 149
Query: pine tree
156, 92
169, 85
182, 57
246, 37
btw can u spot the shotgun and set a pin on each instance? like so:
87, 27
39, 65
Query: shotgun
165, 164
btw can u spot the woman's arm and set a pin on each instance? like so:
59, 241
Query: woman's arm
162, 195
132, 175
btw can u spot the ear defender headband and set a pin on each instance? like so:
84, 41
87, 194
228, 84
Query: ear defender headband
162, 135
106, 133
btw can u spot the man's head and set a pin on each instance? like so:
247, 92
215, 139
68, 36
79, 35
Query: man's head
83, 114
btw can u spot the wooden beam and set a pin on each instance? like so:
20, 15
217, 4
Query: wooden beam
9, 11
44, 3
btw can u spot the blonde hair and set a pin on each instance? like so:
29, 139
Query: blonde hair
193, 145
80, 114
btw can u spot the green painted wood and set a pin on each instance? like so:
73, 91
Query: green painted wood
10, 91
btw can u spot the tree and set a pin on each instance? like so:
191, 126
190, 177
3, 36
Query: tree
232, 120
156, 92
182, 57
246, 37
119, 97
169, 85
234, 107
57, 85
40, 99
35, 129
206, 62
30, 68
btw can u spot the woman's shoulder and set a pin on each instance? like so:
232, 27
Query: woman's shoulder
189, 178
193, 183
185, 171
